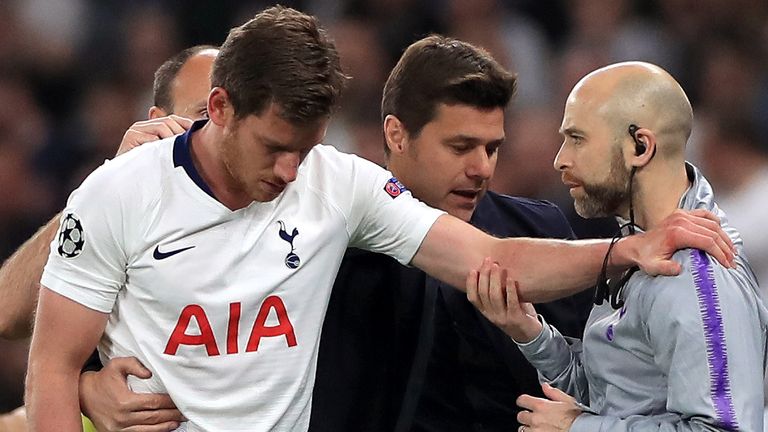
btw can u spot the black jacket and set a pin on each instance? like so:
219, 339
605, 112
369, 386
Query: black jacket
401, 351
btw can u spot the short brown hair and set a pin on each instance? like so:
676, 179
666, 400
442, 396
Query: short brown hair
167, 72
282, 56
437, 70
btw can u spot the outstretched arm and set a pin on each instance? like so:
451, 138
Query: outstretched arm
550, 269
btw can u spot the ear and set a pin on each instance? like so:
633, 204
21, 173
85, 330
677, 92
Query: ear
220, 109
156, 112
642, 154
395, 134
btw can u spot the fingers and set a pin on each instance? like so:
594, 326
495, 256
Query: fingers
492, 287
529, 402
707, 227
697, 237
706, 224
525, 417
667, 268
472, 288
704, 214
163, 127
128, 366
156, 417
133, 139
152, 130
513, 296
133, 403
497, 288
556, 394
154, 401
483, 281
184, 122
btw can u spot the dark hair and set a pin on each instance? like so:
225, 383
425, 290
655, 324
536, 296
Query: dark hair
280, 56
166, 73
437, 70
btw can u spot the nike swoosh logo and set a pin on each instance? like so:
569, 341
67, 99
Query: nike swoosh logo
163, 255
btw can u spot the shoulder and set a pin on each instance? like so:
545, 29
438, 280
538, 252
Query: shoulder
342, 178
136, 166
137, 173
702, 283
524, 216
325, 158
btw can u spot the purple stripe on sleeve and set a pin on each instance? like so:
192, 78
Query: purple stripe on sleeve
717, 355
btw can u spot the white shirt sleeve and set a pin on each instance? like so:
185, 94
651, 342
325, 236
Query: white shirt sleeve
87, 260
381, 214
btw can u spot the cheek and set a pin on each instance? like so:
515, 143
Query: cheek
494, 163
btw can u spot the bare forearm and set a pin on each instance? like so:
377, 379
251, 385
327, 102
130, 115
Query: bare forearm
545, 269
52, 402
551, 269
55, 360
20, 282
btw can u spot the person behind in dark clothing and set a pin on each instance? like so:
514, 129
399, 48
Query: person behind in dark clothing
400, 350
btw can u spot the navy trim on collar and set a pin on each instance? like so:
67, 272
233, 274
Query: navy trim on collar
183, 157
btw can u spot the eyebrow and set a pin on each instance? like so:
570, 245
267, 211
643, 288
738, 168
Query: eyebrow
472, 140
274, 144
571, 131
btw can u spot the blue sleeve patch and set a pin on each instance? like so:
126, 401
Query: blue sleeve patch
394, 188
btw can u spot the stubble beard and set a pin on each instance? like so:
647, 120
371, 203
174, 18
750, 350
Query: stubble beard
605, 199
229, 155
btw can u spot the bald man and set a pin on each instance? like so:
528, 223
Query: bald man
681, 352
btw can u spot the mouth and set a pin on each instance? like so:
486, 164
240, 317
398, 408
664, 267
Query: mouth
470, 195
272, 188
571, 183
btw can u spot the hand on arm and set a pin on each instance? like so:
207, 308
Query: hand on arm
651, 251
106, 399
65, 335
152, 130
546, 270
495, 296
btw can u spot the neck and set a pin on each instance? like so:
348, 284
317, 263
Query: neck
206, 155
398, 169
657, 194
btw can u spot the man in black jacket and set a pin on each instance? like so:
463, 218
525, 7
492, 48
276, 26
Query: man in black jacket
402, 351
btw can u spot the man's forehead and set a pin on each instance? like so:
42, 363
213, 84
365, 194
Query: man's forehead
469, 117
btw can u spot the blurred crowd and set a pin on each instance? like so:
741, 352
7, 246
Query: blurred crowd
75, 74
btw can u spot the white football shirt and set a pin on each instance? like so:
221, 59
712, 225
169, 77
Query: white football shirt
224, 307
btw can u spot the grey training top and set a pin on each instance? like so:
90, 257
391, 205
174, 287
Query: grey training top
684, 353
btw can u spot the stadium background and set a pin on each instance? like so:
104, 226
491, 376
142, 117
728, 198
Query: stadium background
74, 74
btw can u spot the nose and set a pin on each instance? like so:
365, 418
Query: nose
562, 159
287, 166
480, 165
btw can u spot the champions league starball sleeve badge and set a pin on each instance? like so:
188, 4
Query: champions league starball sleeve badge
71, 236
